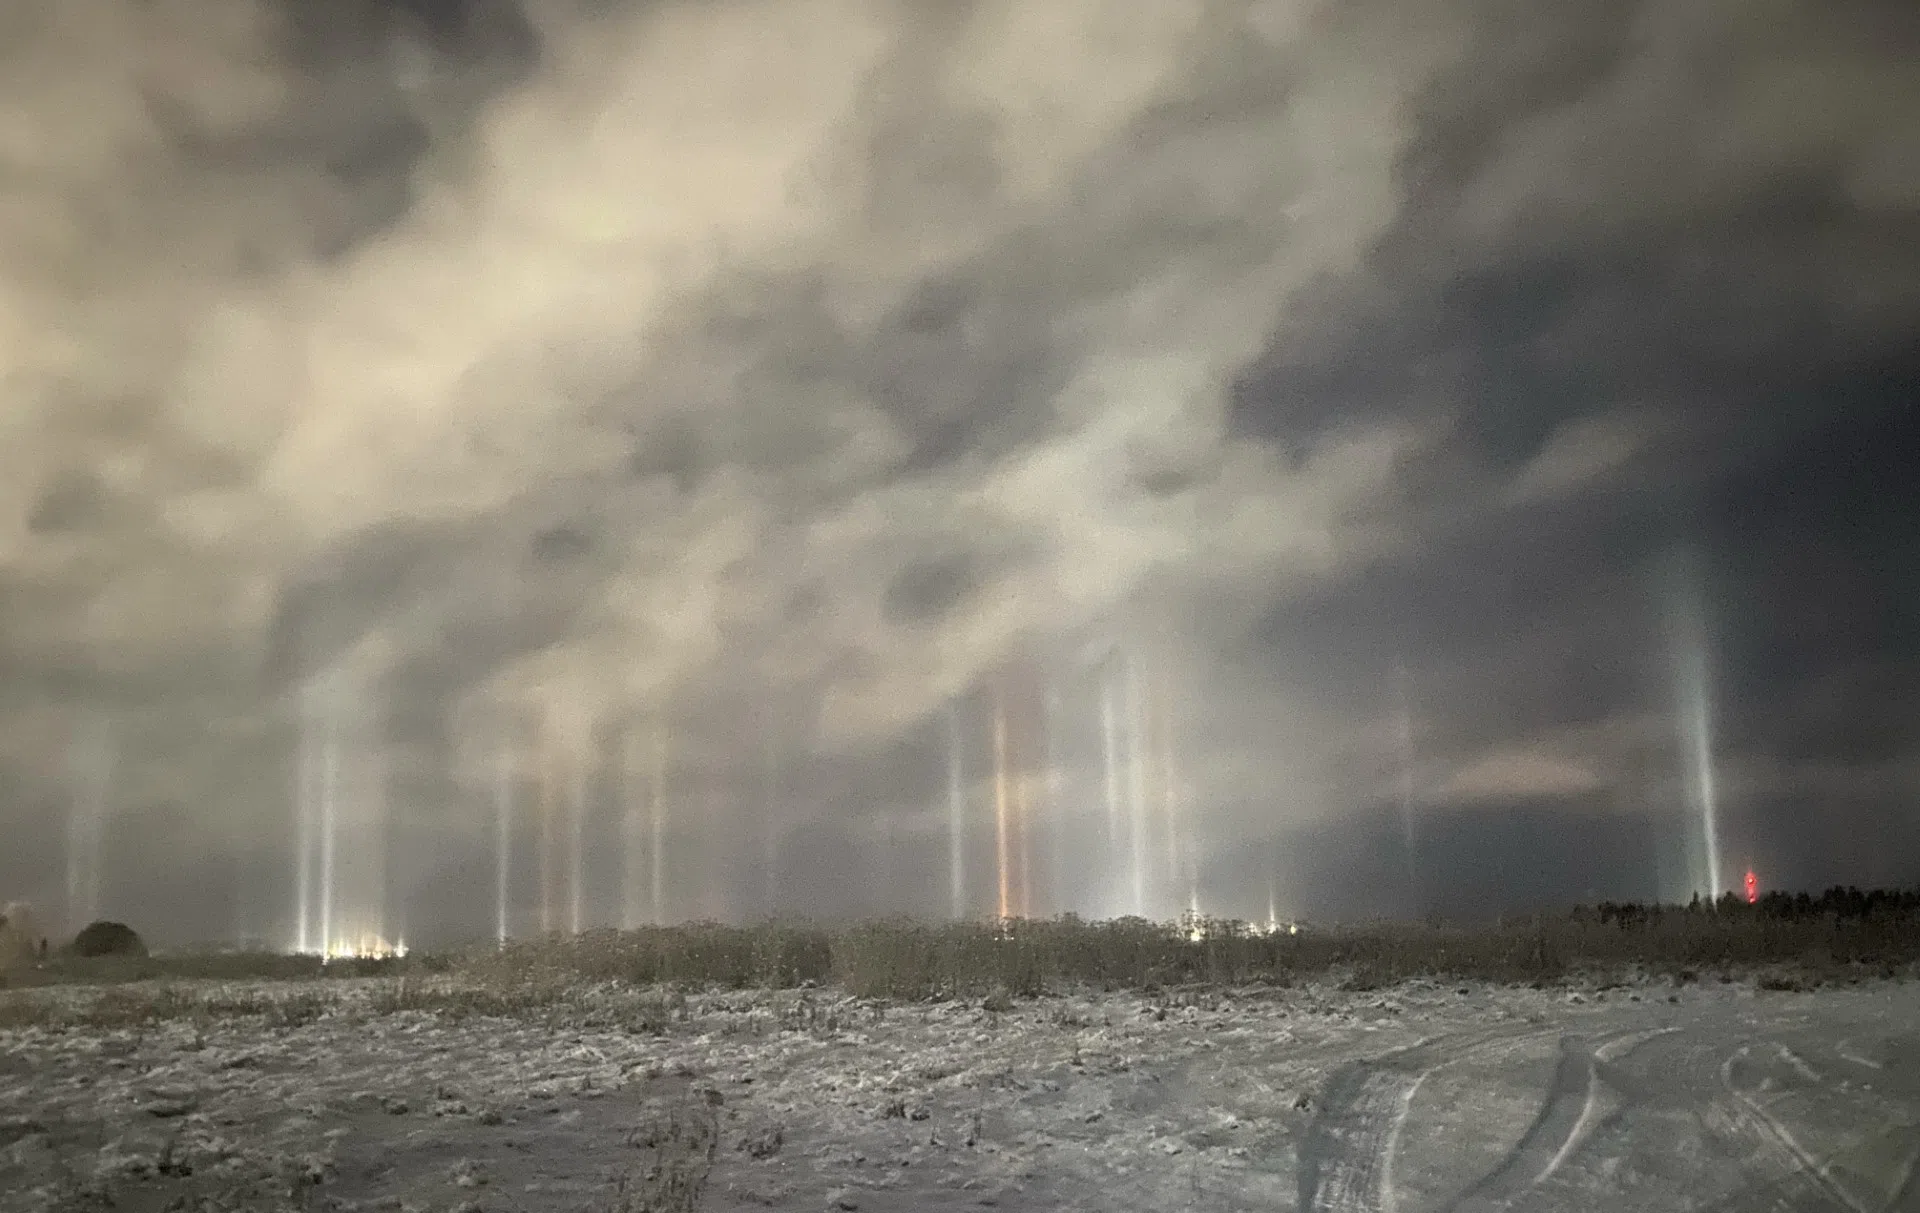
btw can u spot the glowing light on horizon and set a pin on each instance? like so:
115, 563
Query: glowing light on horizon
365, 945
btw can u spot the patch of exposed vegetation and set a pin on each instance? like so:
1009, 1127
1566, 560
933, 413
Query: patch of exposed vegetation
680, 1141
635, 980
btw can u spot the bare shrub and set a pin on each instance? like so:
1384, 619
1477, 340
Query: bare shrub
902, 959
681, 1140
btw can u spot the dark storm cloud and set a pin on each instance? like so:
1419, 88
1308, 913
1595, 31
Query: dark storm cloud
1627, 363
590, 366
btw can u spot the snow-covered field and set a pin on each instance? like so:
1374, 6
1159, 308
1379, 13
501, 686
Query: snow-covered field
1425, 1096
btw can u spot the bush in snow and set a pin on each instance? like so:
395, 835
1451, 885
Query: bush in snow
108, 939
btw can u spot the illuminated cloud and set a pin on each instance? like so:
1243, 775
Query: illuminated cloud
598, 361
1520, 775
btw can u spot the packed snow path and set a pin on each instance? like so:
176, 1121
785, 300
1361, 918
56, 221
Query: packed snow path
1420, 1098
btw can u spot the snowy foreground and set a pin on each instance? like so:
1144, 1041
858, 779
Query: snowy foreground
1422, 1097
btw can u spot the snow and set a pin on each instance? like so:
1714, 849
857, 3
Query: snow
1425, 1096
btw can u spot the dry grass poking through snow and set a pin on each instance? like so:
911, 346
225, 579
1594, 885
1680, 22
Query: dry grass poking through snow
912, 961
909, 960
682, 1141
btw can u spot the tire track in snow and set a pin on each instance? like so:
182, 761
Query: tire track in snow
1906, 1196
1346, 1156
1846, 1052
1883, 1162
1341, 1159
1769, 1125
1566, 1118
1778, 1176
1566, 1109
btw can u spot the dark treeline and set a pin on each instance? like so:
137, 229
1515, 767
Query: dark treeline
1838, 902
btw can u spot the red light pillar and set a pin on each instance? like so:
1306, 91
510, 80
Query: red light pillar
1753, 887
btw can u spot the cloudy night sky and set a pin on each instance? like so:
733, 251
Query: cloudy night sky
1362, 457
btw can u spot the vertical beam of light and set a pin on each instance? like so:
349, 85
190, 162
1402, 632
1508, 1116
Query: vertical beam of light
1000, 823
632, 845
240, 900
1170, 799
1110, 758
1054, 788
329, 828
712, 799
547, 829
1696, 726
1694, 688
80, 859
1020, 770
1137, 785
1182, 862
375, 849
90, 759
1403, 738
657, 850
886, 886
502, 844
1702, 789
1023, 828
579, 772
305, 834
99, 807
770, 816
1146, 738
956, 817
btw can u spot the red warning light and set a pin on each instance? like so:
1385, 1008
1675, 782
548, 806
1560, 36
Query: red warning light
1753, 887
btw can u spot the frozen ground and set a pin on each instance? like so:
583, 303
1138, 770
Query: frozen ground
1422, 1097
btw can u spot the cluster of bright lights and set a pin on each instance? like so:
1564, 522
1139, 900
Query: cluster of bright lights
367, 946
1195, 929
1275, 927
